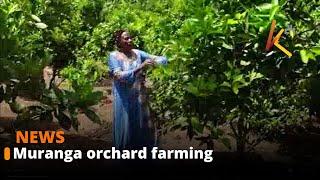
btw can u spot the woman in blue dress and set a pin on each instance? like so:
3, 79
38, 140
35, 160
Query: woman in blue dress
132, 126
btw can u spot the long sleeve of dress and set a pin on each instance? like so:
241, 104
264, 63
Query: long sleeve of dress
117, 73
159, 59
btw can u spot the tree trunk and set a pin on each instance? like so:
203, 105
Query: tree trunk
241, 145
241, 141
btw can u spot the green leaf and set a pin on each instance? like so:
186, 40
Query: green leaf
227, 74
192, 89
291, 33
49, 97
238, 78
195, 123
275, 2
245, 63
210, 86
64, 120
227, 46
311, 55
229, 65
216, 133
226, 141
225, 84
273, 11
240, 15
235, 87
46, 116
16, 107
181, 121
74, 118
232, 21
92, 116
92, 98
36, 18
304, 57
254, 75
315, 50
265, 6
41, 25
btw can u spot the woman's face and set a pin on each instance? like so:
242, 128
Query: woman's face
126, 41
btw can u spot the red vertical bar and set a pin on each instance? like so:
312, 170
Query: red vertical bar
269, 42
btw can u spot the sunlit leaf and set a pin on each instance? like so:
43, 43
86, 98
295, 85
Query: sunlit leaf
315, 50
232, 21
227, 46
275, 2
238, 78
225, 84
41, 25
304, 57
273, 11
244, 63
265, 6
235, 87
36, 18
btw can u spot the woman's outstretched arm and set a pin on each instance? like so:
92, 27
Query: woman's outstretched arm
158, 59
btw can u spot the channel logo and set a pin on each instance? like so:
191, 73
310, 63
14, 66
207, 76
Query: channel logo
275, 41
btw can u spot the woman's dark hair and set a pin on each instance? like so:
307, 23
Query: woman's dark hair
117, 37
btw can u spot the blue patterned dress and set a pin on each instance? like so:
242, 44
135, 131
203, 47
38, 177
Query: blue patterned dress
132, 128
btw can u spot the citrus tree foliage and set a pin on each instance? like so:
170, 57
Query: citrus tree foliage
219, 73
39, 33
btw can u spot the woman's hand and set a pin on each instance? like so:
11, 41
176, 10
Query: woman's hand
148, 63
